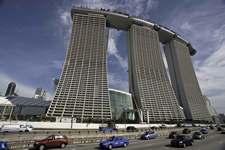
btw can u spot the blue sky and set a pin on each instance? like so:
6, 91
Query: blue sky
34, 36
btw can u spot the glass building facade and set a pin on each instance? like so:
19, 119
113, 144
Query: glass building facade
119, 101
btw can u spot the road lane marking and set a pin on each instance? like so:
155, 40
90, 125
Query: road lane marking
221, 142
148, 144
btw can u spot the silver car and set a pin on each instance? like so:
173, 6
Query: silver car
198, 135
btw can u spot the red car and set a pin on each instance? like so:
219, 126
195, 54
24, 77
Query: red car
52, 141
173, 134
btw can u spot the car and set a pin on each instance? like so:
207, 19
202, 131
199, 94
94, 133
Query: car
114, 141
204, 131
198, 135
193, 125
154, 127
162, 126
182, 140
186, 131
52, 141
222, 131
3, 144
173, 134
148, 135
131, 128
105, 129
219, 128
223, 126
211, 127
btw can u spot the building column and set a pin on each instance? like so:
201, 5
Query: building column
11, 112
132, 115
3, 112
148, 116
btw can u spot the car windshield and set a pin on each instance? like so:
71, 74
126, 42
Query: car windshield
152, 133
173, 133
179, 137
109, 139
146, 133
197, 133
47, 137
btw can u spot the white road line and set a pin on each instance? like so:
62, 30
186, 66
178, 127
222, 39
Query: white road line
148, 144
166, 147
221, 142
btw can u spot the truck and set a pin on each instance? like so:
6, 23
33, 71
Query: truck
16, 128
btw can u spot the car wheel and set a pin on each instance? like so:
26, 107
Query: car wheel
5, 132
110, 146
20, 131
192, 143
125, 144
26, 130
63, 145
184, 145
42, 147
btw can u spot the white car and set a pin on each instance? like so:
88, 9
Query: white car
16, 128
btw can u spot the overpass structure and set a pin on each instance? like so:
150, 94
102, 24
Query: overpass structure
83, 86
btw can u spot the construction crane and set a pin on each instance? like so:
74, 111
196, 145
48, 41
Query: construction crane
135, 102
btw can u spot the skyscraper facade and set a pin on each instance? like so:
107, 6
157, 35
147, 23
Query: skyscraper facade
208, 105
148, 76
82, 90
184, 81
11, 89
38, 92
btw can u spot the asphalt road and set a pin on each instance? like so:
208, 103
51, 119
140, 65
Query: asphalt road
213, 141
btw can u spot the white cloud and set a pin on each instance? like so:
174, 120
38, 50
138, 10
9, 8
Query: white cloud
116, 81
186, 26
57, 64
66, 18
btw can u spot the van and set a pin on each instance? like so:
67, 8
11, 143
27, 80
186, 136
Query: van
16, 128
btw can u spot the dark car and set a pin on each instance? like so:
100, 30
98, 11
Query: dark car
173, 134
148, 135
211, 127
182, 140
198, 135
52, 141
186, 131
219, 128
131, 128
114, 141
223, 131
154, 127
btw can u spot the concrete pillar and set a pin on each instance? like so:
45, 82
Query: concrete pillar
132, 115
11, 112
3, 112
141, 116
148, 116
